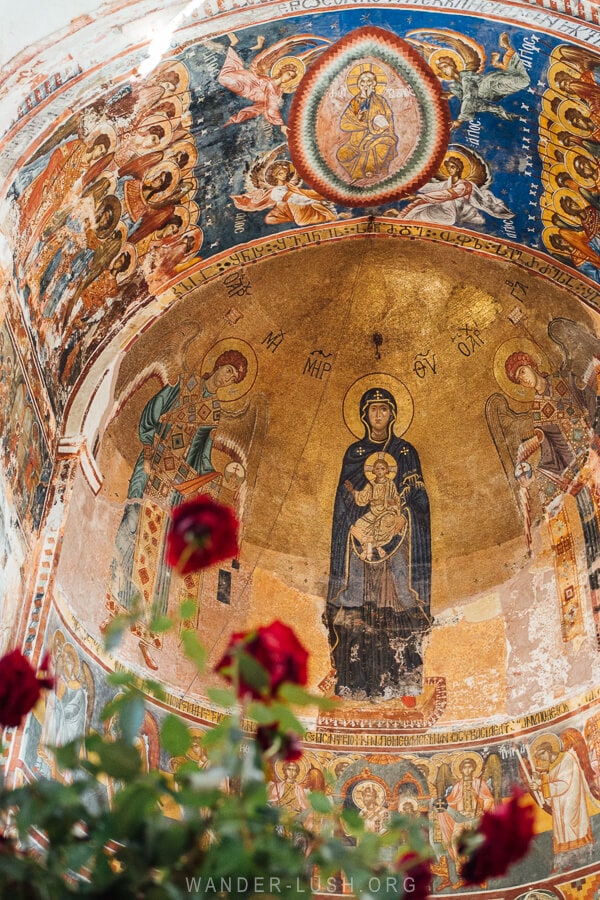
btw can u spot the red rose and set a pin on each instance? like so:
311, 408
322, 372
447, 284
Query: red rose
507, 833
417, 876
201, 533
277, 650
20, 687
276, 744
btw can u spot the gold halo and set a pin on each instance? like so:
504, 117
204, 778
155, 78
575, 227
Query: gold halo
169, 98
555, 69
360, 786
460, 759
106, 129
173, 65
517, 391
412, 802
375, 457
351, 403
127, 248
297, 64
189, 147
232, 391
546, 235
303, 766
464, 160
454, 56
545, 738
164, 123
563, 193
360, 69
570, 156
164, 166
549, 177
568, 126
184, 215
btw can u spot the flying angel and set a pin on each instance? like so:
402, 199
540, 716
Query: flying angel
273, 72
460, 61
459, 193
273, 184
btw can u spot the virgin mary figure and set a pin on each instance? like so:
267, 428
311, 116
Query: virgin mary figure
380, 569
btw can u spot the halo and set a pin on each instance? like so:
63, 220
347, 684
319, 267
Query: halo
357, 792
233, 391
443, 51
189, 147
173, 65
165, 166
568, 193
106, 129
517, 391
114, 204
164, 123
375, 457
546, 738
183, 213
568, 126
360, 69
546, 235
297, 64
69, 650
125, 274
303, 765
351, 403
169, 98
464, 160
570, 156
410, 800
460, 759
550, 176
558, 67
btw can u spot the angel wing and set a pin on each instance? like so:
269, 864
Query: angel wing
470, 51
485, 200
515, 442
492, 773
444, 780
87, 680
256, 174
263, 62
581, 59
572, 739
240, 436
580, 348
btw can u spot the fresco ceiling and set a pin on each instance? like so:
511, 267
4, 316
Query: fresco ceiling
338, 266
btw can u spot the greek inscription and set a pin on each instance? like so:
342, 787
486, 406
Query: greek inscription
468, 339
424, 364
237, 284
317, 364
273, 340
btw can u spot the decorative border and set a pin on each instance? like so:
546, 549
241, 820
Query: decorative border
396, 54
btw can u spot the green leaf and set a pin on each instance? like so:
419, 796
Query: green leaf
119, 759
252, 672
120, 679
175, 736
187, 608
262, 714
193, 648
222, 696
114, 632
295, 694
160, 624
131, 716
67, 756
287, 719
319, 802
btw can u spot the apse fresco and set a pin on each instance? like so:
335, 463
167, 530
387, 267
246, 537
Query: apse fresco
232, 139
26, 460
